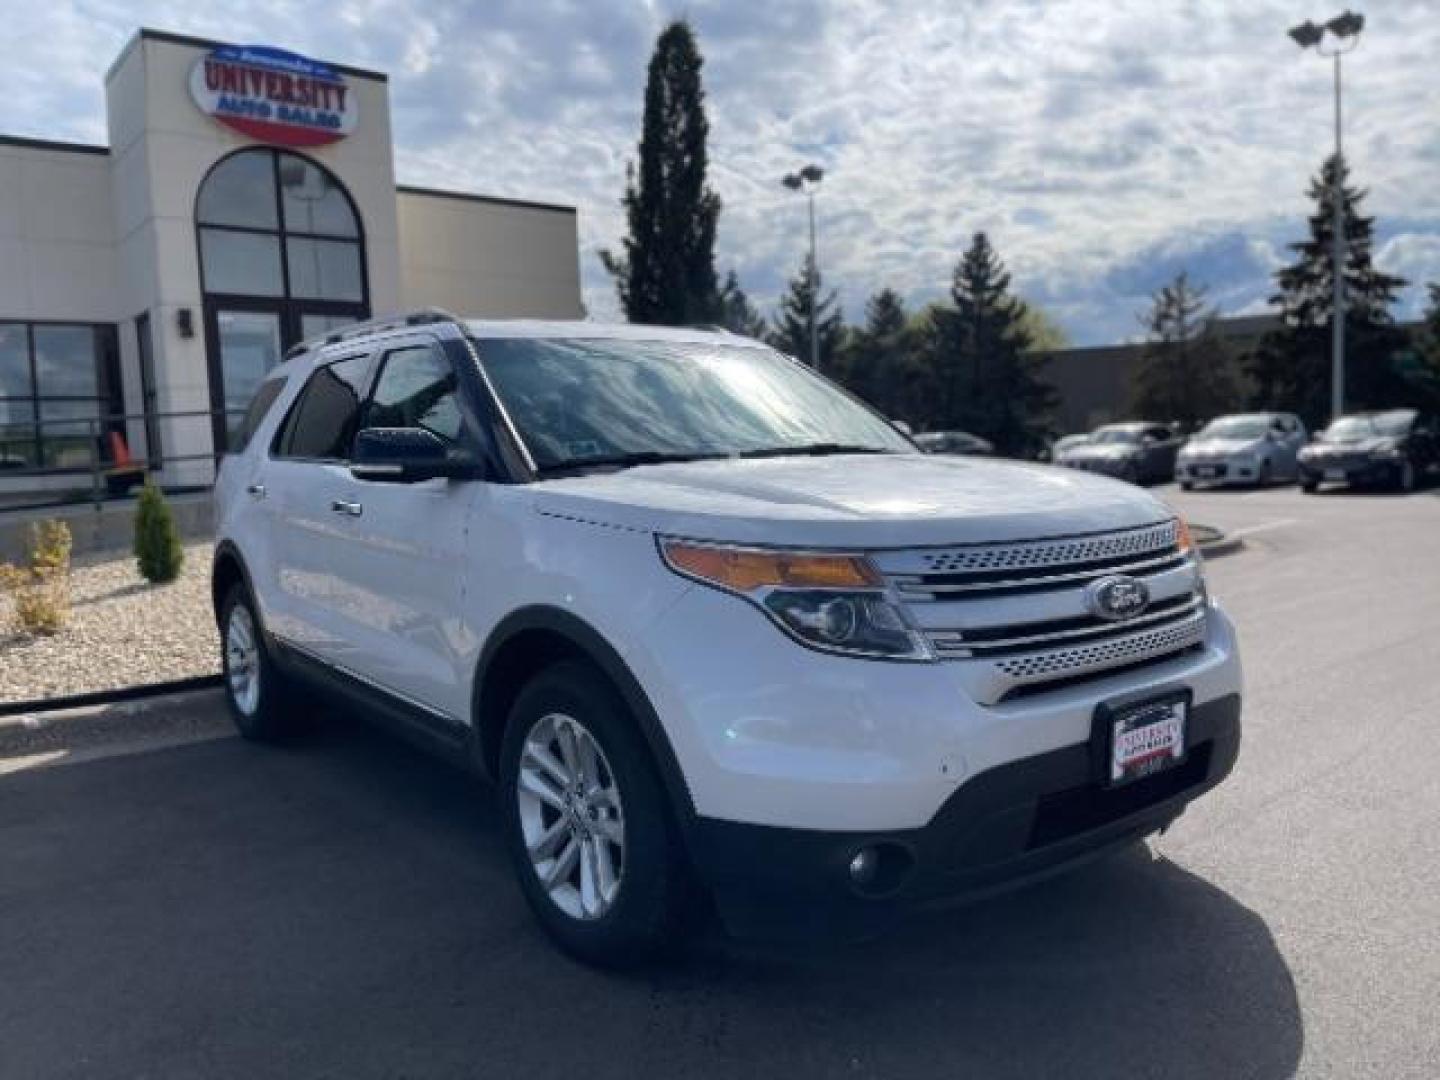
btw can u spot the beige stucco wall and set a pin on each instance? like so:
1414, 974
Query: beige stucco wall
488, 258
57, 236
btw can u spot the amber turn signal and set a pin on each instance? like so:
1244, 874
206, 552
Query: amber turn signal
747, 569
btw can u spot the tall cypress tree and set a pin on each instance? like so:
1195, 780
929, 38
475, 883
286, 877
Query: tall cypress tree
1184, 372
989, 377
667, 272
1291, 366
806, 295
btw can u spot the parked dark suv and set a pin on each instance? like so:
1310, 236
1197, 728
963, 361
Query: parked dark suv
1396, 447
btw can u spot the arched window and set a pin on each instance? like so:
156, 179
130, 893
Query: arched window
282, 258
277, 225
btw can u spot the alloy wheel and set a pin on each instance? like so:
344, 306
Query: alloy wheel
571, 817
242, 660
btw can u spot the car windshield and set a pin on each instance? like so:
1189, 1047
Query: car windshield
581, 402
1351, 428
1116, 435
1236, 427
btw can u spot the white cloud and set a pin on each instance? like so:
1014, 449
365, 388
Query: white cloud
1098, 140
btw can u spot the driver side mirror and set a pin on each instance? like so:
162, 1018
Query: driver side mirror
409, 455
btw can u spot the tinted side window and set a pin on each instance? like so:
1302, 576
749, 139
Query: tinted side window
416, 387
260, 404
322, 421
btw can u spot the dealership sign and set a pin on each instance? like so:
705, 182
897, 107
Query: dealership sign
274, 96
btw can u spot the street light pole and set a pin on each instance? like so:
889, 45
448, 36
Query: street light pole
1346, 31
807, 182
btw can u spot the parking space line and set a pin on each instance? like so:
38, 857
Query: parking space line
1264, 526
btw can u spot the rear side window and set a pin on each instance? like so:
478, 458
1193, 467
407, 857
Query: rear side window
260, 404
322, 422
416, 387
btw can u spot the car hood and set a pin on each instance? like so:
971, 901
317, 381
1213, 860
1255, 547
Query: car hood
1364, 444
851, 501
1102, 451
1222, 447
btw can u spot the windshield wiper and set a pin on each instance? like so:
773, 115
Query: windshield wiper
626, 461
812, 450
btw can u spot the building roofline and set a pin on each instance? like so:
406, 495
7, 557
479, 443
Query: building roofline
496, 200
145, 33
52, 144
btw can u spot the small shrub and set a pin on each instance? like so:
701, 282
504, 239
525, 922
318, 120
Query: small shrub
157, 542
42, 587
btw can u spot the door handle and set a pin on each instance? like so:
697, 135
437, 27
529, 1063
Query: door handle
257, 490
344, 506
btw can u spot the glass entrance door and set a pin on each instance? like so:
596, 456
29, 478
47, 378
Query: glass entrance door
245, 345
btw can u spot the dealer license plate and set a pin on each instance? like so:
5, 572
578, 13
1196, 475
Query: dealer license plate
1146, 739
1334, 474
1207, 471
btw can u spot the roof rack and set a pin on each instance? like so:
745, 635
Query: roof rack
419, 317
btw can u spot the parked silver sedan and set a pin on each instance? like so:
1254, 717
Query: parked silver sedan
1247, 448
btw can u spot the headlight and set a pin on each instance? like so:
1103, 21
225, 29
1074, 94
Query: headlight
834, 603
1386, 450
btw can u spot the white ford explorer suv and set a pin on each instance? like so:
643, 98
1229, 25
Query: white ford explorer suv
716, 631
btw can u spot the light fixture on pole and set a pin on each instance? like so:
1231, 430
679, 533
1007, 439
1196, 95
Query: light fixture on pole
1345, 29
807, 182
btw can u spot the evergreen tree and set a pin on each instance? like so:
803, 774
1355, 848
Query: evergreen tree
666, 274
1291, 367
989, 378
879, 361
737, 314
803, 300
1184, 372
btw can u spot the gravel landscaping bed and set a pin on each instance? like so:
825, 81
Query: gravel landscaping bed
122, 632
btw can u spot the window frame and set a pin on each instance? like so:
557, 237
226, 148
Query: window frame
279, 448
108, 399
465, 436
282, 233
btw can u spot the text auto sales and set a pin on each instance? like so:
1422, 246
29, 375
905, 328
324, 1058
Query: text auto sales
275, 95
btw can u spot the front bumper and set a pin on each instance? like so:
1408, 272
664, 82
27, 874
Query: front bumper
1107, 466
1218, 472
1360, 471
1008, 826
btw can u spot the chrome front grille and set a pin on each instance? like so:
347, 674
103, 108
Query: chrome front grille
1015, 618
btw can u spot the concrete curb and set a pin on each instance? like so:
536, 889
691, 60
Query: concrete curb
37, 706
1214, 542
169, 719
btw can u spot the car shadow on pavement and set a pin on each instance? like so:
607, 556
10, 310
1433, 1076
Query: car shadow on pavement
343, 906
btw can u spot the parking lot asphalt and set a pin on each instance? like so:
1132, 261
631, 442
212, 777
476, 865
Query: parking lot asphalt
342, 907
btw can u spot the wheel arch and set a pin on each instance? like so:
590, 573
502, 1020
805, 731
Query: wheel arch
228, 570
529, 639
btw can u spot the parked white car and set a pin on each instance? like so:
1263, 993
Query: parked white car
710, 625
1247, 448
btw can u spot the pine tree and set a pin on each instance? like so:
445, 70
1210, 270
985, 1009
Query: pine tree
1184, 372
804, 297
737, 314
1291, 367
158, 553
666, 274
989, 378
879, 362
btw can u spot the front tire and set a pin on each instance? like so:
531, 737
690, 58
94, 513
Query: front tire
261, 699
587, 821
1405, 476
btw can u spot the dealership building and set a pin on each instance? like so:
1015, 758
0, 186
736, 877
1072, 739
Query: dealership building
246, 200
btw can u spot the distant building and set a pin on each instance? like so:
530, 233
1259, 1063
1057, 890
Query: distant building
1094, 383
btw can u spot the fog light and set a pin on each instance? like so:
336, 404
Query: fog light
864, 866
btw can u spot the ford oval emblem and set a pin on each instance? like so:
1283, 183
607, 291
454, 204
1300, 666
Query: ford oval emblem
1117, 597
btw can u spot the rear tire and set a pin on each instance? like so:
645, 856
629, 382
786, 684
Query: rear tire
1187, 485
1309, 487
588, 824
260, 697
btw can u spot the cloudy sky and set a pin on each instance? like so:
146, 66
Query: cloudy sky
1104, 144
